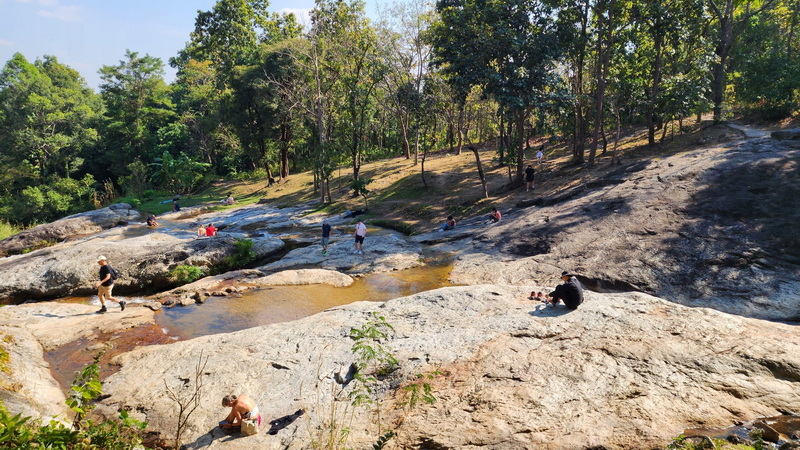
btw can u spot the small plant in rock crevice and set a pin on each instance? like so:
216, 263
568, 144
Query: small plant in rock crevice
243, 254
184, 274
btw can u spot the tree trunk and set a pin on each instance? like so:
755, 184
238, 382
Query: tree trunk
651, 104
579, 143
480, 171
520, 116
604, 42
460, 130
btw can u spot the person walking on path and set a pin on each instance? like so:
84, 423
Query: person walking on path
529, 174
105, 285
360, 234
540, 155
571, 292
326, 235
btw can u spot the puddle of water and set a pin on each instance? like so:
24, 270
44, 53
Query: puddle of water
67, 360
783, 429
286, 303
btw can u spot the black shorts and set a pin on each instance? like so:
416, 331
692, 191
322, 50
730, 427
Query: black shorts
359, 239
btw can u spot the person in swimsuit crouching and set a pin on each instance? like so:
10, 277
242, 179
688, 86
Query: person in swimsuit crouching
242, 407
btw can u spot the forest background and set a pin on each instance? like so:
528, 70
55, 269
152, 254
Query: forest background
259, 96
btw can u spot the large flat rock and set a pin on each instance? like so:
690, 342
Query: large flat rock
712, 227
89, 222
623, 371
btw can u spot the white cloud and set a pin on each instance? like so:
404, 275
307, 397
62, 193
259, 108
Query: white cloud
303, 15
66, 13
39, 2
6, 43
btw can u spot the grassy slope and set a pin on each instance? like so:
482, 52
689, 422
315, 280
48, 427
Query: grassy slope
399, 195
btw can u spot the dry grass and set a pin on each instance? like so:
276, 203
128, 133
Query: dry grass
453, 187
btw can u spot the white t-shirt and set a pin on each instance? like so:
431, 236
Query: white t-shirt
361, 229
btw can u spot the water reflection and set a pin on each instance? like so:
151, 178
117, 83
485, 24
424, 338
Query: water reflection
285, 303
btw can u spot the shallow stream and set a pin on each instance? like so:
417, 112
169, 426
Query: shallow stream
239, 312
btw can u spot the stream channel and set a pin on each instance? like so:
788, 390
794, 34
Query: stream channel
238, 312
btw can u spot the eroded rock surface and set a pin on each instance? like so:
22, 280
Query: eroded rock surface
712, 227
142, 261
623, 371
89, 222
27, 331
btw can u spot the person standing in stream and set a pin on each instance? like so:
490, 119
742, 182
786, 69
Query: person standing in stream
105, 285
360, 234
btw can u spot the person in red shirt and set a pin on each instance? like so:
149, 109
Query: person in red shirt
210, 230
495, 215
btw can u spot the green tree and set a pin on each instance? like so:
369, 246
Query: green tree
48, 117
506, 47
138, 104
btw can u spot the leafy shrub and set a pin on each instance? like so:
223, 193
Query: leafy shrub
135, 203
243, 254
6, 229
19, 432
150, 194
184, 274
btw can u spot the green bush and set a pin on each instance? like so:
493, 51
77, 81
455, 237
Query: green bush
135, 203
184, 274
150, 194
20, 432
6, 229
243, 254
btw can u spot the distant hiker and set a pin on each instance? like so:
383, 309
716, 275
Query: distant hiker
211, 230
229, 200
529, 174
540, 155
151, 221
106, 283
242, 407
175, 206
201, 230
571, 292
360, 234
326, 235
495, 215
449, 224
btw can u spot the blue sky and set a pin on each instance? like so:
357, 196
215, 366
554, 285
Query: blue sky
88, 34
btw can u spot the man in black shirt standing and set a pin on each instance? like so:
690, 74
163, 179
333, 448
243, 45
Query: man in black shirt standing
571, 292
105, 285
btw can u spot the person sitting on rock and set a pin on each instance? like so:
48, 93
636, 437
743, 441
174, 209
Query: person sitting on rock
229, 200
449, 224
201, 230
495, 215
571, 292
175, 205
242, 407
151, 221
211, 230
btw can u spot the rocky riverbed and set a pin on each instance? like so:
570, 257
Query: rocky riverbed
685, 253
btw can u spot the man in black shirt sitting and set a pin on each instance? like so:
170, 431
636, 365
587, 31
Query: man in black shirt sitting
571, 292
